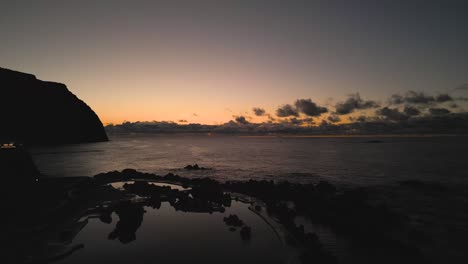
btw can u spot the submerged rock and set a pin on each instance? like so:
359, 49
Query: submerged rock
106, 217
130, 219
233, 220
245, 233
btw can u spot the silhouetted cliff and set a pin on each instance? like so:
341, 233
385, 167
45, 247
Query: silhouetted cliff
39, 112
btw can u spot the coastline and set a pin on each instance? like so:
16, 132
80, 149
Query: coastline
388, 218
273, 197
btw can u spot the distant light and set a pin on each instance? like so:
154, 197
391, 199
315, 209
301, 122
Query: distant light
8, 146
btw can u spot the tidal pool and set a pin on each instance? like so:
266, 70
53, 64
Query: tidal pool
145, 234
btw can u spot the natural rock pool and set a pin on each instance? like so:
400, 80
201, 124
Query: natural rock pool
134, 231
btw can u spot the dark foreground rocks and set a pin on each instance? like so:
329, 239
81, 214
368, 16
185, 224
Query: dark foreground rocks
17, 167
348, 212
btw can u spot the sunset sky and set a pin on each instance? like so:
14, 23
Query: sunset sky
205, 62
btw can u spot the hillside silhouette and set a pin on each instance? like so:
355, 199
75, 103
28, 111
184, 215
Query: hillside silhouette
41, 112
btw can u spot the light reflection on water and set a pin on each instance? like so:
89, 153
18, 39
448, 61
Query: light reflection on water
170, 236
339, 160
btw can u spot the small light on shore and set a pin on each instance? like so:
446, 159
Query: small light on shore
8, 146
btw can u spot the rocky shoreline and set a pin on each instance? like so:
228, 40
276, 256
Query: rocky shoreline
347, 212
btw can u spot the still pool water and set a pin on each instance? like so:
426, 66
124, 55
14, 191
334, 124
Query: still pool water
170, 236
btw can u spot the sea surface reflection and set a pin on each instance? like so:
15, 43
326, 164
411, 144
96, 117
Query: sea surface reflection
350, 161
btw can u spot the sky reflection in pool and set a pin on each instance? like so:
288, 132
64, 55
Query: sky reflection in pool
170, 236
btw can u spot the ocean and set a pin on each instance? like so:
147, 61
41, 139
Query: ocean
340, 160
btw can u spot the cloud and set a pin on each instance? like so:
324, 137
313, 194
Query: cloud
286, 111
411, 111
418, 98
334, 118
392, 114
362, 118
441, 98
439, 111
295, 121
357, 119
259, 111
271, 117
396, 99
241, 120
456, 123
413, 97
439, 124
463, 87
415, 112
354, 102
298, 121
301, 106
309, 108
156, 127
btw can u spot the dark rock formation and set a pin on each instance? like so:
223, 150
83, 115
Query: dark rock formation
39, 112
246, 233
233, 220
195, 167
130, 219
18, 168
349, 212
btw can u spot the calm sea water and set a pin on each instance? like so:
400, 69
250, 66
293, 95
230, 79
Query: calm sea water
340, 160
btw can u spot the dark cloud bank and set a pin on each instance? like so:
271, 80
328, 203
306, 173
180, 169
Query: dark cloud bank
420, 98
411, 113
259, 111
287, 110
354, 102
439, 123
